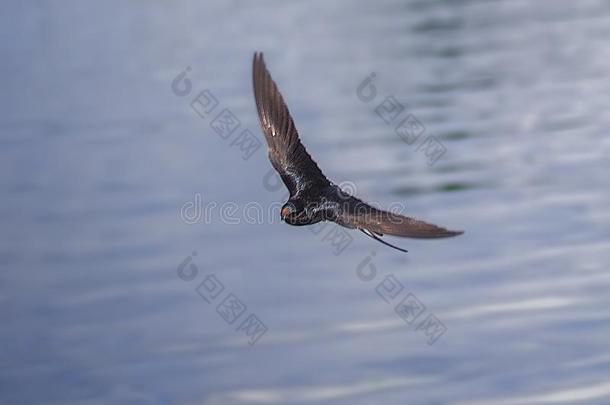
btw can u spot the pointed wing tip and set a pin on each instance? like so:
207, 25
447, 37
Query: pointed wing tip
448, 233
258, 69
428, 231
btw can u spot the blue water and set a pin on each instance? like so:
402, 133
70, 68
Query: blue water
107, 175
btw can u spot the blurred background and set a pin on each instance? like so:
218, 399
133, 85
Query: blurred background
110, 282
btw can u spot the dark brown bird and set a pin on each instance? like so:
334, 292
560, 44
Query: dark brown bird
313, 198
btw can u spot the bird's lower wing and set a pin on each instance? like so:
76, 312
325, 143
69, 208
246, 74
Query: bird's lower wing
354, 213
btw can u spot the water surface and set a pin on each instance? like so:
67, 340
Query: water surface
99, 155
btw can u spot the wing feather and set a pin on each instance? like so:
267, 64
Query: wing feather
354, 213
286, 152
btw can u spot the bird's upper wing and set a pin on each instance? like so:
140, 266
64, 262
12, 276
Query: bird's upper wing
288, 156
354, 213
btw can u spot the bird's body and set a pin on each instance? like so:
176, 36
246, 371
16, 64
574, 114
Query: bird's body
313, 198
319, 204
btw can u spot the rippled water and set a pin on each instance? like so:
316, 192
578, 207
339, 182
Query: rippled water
98, 156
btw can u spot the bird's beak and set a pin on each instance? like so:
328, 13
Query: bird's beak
285, 212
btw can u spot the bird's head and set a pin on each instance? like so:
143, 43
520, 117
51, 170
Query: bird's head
292, 211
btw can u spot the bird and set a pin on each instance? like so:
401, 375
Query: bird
312, 197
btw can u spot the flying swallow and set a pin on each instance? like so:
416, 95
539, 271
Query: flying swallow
313, 198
